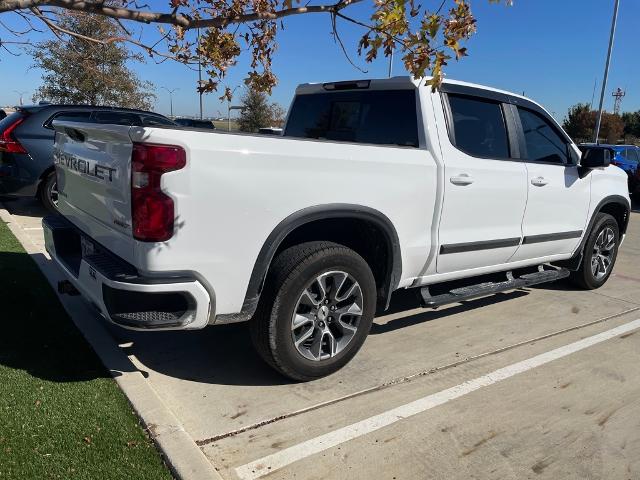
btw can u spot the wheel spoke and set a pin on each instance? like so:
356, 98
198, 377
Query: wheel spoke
351, 309
332, 344
304, 336
316, 346
353, 290
600, 239
307, 298
610, 242
345, 326
594, 265
300, 320
601, 267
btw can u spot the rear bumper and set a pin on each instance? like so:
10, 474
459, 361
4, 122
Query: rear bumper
116, 289
17, 175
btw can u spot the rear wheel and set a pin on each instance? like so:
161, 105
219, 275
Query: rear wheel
600, 252
48, 193
315, 311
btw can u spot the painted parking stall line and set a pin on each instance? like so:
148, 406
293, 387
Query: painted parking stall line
278, 460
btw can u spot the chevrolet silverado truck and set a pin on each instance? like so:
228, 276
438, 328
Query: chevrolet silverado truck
373, 186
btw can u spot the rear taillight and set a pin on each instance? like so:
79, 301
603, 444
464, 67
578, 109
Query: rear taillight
152, 210
8, 142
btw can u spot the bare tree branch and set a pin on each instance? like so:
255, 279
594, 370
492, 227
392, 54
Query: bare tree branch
174, 18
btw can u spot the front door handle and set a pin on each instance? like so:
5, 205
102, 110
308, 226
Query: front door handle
539, 181
462, 179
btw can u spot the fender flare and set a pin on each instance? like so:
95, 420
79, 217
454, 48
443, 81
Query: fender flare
618, 199
574, 262
322, 212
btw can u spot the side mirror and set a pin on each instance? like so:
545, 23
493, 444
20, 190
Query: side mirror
595, 157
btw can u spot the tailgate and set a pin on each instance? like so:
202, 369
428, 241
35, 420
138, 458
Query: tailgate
93, 169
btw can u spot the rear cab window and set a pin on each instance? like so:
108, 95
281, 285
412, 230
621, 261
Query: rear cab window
380, 117
478, 127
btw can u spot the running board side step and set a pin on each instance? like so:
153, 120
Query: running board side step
489, 288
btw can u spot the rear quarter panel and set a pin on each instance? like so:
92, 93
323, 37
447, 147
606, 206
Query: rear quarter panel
236, 189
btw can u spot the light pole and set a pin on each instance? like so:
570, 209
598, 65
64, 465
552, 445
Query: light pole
21, 93
606, 69
229, 108
170, 98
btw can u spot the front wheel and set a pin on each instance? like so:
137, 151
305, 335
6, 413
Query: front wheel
315, 311
600, 252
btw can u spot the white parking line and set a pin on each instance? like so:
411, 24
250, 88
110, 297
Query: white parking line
32, 228
275, 461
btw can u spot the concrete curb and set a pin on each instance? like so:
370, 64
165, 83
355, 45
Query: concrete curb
185, 459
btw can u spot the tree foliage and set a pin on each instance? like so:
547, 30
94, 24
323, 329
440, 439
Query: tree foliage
580, 124
426, 36
258, 112
81, 71
631, 123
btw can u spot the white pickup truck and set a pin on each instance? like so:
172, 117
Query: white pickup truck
373, 186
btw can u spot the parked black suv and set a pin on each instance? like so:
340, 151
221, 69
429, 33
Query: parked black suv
193, 123
26, 144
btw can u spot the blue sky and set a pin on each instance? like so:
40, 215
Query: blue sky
552, 50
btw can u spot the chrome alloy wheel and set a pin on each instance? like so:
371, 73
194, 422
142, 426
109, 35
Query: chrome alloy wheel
603, 250
327, 315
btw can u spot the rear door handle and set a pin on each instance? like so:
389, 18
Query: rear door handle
539, 181
462, 179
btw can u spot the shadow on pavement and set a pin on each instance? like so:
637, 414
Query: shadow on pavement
25, 207
224, 354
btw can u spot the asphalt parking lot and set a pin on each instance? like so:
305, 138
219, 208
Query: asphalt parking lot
535, 383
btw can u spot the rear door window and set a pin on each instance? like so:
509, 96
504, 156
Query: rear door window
478, 127
373, 116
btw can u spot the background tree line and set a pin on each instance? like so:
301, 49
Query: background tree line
581, 120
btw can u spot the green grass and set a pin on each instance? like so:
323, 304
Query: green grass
222, 125
61, 414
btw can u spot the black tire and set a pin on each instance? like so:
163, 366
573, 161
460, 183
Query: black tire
584, 276
47, 194
290, 275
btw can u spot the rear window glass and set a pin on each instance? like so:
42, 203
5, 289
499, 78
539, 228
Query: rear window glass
374, 116
478, 127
